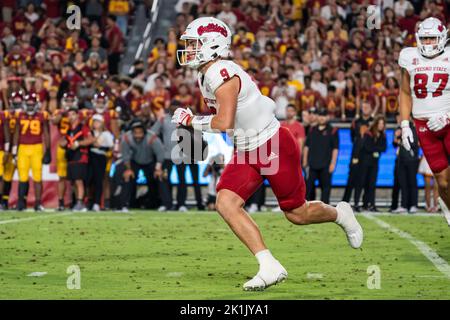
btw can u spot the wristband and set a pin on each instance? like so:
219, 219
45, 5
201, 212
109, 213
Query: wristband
7, 145
202, 123
404, 124
76, 144
14, 150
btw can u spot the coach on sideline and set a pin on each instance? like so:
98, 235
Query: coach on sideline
320, 156
140, 148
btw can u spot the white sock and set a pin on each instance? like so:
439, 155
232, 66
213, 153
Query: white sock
339, 217
264, 257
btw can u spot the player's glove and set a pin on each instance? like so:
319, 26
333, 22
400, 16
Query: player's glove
182, 116
47, 157
407, 135
437, 123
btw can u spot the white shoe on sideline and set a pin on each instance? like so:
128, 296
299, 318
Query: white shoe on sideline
162, 209
400, 210
182, 209
96, 208
350, 225
253, 208
413, 209
445, 210
277, 209
266, 277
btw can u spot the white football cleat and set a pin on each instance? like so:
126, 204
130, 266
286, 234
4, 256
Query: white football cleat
266, 277
445, 210
350, 225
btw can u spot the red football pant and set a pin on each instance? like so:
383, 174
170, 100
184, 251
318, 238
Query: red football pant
278, 160
435, 145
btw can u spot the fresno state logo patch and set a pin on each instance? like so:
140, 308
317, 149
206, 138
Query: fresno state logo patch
212, 27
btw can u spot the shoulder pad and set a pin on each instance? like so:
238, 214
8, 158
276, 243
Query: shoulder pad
218, 73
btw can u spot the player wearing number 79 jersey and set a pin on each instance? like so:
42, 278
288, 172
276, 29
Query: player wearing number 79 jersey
241, 110
425, 92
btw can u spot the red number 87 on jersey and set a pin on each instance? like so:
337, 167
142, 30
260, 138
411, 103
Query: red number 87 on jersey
421, 81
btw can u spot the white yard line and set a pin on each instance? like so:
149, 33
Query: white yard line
388, 214
34, 218
429, 253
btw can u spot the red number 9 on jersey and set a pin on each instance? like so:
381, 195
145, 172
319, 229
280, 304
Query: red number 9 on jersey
224, 74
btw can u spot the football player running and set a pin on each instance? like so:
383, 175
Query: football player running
425, 92
242, 111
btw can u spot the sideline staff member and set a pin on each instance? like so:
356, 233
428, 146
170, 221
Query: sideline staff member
320, 156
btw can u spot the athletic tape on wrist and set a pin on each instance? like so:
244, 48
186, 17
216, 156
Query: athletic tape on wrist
202, 123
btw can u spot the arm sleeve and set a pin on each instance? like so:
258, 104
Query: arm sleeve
156, 128
158, 149
125, 150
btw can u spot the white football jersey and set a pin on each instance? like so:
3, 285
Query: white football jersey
430, 87
255, 122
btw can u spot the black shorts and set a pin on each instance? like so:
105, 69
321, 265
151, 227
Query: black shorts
77, 171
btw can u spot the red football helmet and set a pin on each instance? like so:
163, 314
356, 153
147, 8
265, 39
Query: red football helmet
69, 101
100, 101
16, 100
31, 103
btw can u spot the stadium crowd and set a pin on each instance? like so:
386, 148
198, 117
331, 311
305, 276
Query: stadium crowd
320, 60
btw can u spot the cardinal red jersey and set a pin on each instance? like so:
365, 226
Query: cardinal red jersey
85, 115
63, 124
11, 116
391, 97
31, 127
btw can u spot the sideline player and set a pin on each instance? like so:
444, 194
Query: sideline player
425, 91
16, 105
61, 120
4, 148
31, 131
240, 106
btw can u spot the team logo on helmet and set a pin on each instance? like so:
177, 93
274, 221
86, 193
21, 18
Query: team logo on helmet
212, 27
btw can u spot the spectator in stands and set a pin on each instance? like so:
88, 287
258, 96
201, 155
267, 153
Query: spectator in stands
227, 15
350, 100
121, 9
373, 144
115, 39
282, 94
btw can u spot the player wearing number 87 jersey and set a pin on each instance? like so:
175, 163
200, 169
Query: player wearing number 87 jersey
425, 92
31, 134
243, 112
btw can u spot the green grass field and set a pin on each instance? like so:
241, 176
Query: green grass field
148, 255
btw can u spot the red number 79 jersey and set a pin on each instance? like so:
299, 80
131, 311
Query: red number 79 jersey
430, 87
